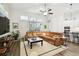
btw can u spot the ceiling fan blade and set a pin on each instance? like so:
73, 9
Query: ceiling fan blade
41, 11
50, 13
49, 9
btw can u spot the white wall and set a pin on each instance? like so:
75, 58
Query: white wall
23, 25
14, 17
56, 24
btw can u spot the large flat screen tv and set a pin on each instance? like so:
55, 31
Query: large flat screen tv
4, 25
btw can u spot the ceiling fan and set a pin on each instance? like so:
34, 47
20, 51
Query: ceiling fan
46, 10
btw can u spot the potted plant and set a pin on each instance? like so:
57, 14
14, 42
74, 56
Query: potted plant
15, 34
45, 26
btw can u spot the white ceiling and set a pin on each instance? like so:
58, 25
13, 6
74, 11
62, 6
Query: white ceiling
36, 7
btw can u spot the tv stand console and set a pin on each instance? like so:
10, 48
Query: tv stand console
4, 35
6, 43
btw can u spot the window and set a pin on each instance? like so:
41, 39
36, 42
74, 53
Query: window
30, 18
34, 26
34, 23
24, 17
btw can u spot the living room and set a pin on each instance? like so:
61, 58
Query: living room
51, 24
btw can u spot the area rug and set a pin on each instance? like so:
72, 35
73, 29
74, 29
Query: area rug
38, 50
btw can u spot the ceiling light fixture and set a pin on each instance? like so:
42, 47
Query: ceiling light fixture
46, 10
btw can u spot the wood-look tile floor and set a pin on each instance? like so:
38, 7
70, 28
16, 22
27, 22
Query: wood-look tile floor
73, 50
15, 51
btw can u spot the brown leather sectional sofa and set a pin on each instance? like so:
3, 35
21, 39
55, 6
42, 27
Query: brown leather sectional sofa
54, 38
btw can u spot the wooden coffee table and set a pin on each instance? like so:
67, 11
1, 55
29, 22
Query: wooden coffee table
35, 40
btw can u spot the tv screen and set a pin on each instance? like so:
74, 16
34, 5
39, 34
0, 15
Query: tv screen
4, 25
